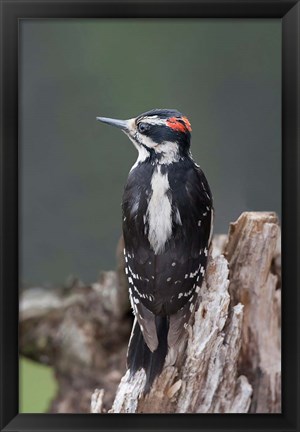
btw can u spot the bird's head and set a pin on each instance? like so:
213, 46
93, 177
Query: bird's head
160, 134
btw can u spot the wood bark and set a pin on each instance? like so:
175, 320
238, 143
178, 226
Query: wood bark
230, 359
233, 345
253, 254
206, 379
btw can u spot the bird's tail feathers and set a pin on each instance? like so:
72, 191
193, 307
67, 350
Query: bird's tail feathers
139, 355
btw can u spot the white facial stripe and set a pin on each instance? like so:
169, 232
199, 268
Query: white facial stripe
153, 120
169, 151
145, 140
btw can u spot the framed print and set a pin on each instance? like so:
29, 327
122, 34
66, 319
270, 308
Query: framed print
193, 319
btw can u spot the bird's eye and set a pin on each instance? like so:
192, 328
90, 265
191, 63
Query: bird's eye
142, 127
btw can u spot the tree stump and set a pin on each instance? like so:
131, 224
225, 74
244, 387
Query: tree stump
233, 345
230, 361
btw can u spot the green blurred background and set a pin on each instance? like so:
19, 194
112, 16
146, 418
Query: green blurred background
225, 75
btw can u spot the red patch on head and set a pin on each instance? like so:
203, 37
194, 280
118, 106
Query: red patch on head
179, 124
187, 123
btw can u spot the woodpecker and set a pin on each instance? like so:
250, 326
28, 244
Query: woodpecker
167, 227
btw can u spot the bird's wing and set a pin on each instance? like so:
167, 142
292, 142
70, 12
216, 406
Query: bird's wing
146, 320
191, 244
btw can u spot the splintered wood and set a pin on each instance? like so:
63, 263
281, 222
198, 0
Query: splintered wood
231, 361
253, 252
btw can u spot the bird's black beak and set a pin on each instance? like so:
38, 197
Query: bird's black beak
121, 124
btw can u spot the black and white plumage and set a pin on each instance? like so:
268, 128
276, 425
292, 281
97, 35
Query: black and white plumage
167, 225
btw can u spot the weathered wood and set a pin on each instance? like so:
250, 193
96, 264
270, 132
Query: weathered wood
253, 253
232, 337
97, 401
206, 379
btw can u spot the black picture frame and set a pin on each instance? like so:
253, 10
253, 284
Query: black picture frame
14, 10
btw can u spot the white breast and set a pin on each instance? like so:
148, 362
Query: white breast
159, 212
